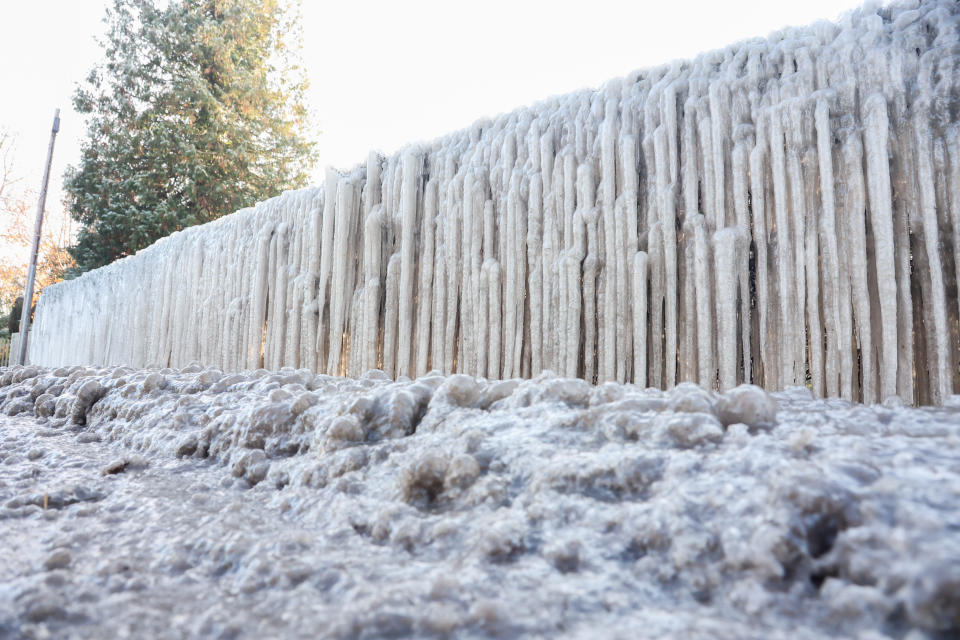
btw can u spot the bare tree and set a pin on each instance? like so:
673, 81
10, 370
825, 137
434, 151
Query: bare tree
7, 148
16, 228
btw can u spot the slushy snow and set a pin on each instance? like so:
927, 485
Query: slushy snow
197, 503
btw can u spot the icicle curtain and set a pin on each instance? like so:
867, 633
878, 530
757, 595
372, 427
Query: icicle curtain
785, 211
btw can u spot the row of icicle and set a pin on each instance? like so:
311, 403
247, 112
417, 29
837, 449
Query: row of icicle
785, 212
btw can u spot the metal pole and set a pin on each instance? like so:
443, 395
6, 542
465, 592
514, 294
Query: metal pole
32, 272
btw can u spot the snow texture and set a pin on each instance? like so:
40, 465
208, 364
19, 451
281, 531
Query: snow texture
197, 503
785, 211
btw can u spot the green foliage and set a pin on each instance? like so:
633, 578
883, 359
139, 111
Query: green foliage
196, 111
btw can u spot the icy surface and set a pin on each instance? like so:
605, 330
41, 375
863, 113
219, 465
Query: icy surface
192, 503
781, 211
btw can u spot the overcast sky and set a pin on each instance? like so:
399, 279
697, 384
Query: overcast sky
387, 73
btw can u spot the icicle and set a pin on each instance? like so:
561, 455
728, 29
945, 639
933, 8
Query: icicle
705, 313
881, 221
785, 258
839, 364
408, 217
854, 206
391, 312
640, 318
426, 288
655, 305
535, 270
452, 244
607, 367
668, 226
339, 298
725, 267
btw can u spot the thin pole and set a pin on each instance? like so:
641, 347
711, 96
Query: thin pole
32, 272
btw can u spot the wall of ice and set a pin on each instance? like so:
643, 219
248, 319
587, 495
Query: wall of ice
784, 211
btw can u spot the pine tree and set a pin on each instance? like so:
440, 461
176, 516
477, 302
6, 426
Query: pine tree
196, 111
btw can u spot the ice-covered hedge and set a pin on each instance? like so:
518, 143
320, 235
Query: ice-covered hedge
783, 211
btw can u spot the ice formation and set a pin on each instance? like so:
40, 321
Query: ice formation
784, 211
204, 504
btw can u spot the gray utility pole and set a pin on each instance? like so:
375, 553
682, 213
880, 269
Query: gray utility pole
32, 272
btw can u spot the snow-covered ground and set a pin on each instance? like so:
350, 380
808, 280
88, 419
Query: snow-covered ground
190, 503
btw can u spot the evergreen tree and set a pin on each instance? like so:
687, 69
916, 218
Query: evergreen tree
196, 111
13, 320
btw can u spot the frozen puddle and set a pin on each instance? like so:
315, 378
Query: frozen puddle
169, 504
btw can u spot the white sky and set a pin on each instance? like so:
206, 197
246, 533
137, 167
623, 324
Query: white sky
387, 73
